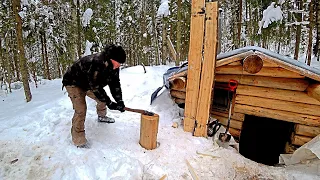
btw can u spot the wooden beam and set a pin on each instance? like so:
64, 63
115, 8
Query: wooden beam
208, 69
234, 58
280, 83
233, 123
314, 91
236, 116
300, 140
265, 71
179, 101
178, 94
194, 63
278, 114
308, 131
279, 105
272, 93
289, 66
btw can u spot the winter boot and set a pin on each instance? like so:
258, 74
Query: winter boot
79, 138
105, 119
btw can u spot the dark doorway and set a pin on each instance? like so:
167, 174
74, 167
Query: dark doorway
264, 139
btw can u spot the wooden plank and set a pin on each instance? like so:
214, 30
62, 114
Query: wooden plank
300, 140
178, 94
208, 69
236, 116
308, 131
314, 91
265, 71
289, 66
278, 114
272, 82
233, 123
235, 58
194, 66
272, 93
279, 105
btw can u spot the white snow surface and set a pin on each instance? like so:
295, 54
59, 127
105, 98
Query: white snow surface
35, 140
87, 17
271, 14
163, 10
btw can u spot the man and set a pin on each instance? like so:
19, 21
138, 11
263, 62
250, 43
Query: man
87, 77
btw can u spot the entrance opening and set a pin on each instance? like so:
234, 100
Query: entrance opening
264, 139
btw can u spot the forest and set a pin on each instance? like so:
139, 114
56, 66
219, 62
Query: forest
41, 39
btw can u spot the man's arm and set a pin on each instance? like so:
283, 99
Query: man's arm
115, 87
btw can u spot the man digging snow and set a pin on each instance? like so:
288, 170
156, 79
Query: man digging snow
87, 77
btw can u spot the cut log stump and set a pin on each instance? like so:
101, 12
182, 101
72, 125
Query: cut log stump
148, 131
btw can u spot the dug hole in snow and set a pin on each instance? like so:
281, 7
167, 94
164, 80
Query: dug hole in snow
35, 140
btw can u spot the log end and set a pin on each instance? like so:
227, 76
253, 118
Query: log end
252, 64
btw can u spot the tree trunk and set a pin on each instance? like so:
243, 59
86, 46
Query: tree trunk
79, 29
46, 56
239, 23
23, 62
164, 40
298, 31
16, 67
310, 31
178, 45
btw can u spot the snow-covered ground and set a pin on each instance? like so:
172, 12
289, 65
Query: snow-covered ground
35, 141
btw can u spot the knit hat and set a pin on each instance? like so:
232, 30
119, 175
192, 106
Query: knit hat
116, 53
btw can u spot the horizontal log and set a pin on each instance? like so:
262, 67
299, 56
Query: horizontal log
261, 81
234, 132
236, 116
179, 101
272, 93
232, 59
308, 131
233, 123
182, 90
300, 108
278, 114
300, 140
265, 71
265, 64
289, 66
178, 94
178, 83
180, 74
314, 91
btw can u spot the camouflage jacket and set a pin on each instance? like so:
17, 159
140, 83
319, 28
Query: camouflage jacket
91, 73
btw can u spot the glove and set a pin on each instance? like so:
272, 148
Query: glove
117, 106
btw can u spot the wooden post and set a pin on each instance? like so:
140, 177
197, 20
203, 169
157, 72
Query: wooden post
148, 131
194, 62
208, 69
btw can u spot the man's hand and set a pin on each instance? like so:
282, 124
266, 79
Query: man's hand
117, 106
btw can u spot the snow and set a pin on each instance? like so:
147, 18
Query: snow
86, 17
271, 14
35, 140
88, 47
163, 9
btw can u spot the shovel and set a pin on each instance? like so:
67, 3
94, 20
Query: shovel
144, 112
232, 86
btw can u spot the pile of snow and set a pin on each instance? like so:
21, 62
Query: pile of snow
35, 140
270, 15
163, 10
86, 17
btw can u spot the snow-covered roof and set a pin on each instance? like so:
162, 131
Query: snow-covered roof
304, 69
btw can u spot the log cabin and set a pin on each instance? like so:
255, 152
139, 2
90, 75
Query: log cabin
276, 104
